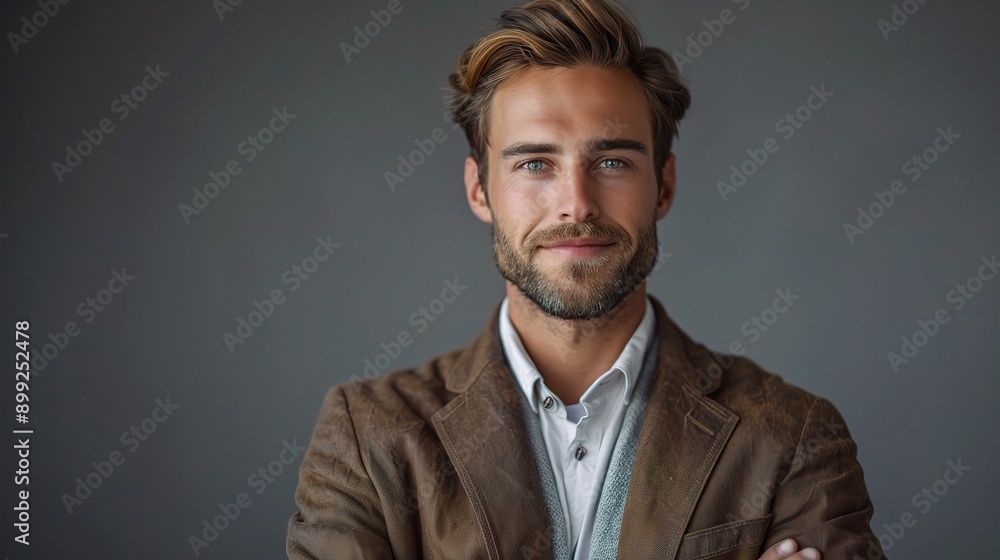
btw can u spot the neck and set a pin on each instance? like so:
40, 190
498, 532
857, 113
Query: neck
571, 355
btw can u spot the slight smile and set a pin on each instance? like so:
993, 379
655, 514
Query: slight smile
579, 247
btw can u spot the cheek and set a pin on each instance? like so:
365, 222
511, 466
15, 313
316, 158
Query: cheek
511, 232
526, 201
518, 216
627, 208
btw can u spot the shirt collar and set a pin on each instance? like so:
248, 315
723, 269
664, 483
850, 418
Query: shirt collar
628, 364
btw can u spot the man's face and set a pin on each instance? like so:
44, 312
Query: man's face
572, 188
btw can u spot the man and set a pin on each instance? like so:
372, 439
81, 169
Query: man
582, 422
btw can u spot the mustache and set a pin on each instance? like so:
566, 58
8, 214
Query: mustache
563, 232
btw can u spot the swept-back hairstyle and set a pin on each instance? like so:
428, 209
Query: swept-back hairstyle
568, 33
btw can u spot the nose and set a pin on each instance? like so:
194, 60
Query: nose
575, 197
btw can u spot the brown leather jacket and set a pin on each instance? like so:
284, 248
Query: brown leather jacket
434, 462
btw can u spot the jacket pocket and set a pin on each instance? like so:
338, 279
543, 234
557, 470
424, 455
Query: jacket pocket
738, 540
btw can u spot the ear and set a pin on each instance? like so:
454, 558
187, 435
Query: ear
474, 192
665, 198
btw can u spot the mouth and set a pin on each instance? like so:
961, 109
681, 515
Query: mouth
579, 246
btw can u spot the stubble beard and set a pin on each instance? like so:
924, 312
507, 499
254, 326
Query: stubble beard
579, 288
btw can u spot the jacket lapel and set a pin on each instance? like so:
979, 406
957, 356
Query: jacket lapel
683, 433
483, 432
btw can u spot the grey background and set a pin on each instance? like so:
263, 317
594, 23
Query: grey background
323, 176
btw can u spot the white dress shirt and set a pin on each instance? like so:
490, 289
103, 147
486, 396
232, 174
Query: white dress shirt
580, 438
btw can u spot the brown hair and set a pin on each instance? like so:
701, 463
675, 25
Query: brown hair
569, 33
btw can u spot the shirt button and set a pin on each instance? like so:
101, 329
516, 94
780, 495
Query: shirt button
548, 402
580, 452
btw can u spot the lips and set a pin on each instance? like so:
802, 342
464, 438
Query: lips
578, 242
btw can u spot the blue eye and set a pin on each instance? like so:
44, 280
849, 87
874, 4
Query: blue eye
619, 165
533, 167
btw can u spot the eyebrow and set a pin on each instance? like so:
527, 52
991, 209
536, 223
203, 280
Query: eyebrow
596, 145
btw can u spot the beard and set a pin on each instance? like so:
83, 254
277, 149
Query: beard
579, 288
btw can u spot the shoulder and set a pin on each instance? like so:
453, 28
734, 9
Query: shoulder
416, 392
733, 381
767, 404
396, 398
420, 392
746, 385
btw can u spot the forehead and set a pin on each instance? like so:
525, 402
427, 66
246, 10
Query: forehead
565, 105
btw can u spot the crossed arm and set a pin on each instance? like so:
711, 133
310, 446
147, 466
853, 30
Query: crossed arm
341, 516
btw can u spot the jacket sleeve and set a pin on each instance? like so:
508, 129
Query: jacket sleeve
823, 502
340, 513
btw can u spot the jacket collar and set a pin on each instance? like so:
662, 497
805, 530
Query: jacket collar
683, 434
627, 365
692, 362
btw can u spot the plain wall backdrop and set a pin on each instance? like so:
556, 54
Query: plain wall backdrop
200, 79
